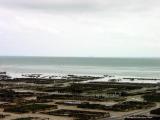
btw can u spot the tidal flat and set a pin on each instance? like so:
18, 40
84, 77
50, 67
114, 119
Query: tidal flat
78, 97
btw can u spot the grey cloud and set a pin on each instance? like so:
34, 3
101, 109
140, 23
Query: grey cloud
48, 5
84, 5
122, 25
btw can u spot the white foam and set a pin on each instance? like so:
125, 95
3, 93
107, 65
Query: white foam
121, 80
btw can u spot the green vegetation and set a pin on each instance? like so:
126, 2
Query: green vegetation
79, 114
93, 106
77, 88
79, 97
124, 106
29, 108
31, 118
27, 118
131, 105
154, 97
155, 111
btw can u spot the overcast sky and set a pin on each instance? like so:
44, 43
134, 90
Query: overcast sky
89, 28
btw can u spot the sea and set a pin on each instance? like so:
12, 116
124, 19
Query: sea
136, 67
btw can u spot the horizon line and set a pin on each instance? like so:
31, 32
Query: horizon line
77, 56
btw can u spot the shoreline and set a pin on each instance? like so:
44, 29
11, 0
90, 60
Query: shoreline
103, 78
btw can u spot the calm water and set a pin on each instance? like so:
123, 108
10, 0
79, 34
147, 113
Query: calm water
146, 67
